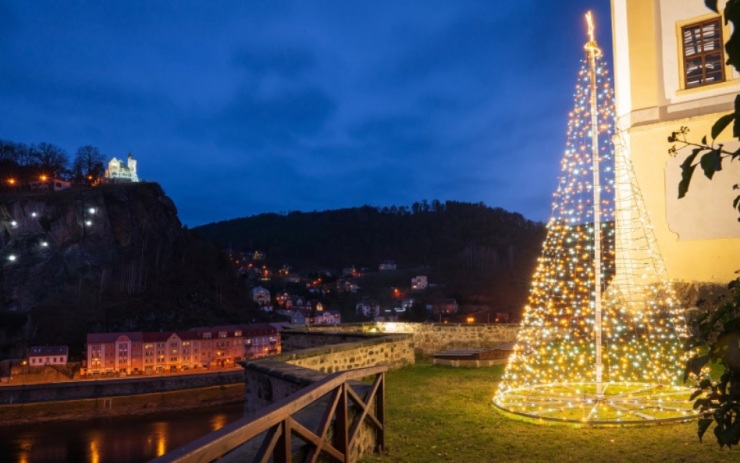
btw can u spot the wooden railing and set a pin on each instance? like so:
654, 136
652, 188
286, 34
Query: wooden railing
278, 420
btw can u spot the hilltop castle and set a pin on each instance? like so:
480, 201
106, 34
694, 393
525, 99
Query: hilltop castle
117, 172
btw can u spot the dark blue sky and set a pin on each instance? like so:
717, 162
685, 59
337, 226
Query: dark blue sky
243, 107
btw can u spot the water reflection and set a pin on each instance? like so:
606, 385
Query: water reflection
95, 448
219, 421
128, 439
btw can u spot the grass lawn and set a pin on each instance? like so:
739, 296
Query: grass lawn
443, 414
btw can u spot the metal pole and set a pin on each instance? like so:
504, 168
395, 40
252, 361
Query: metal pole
593, 53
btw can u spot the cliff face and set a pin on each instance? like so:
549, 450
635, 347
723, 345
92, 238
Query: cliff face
113, 257
58, 237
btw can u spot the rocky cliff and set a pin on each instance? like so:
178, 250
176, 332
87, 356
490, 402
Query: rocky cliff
109, 258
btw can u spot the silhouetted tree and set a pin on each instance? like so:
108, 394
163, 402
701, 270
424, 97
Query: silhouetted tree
88, 164
8, 151
51, 159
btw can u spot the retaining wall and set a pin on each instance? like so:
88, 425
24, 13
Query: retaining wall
430, 338
86, 409
77, 390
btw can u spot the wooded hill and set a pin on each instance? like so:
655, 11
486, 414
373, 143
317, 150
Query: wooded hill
482, 255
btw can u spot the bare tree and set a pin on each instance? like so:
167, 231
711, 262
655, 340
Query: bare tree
17, 153
8, 151
88, 164
51, 159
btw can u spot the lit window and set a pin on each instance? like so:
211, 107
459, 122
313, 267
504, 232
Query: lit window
703, 55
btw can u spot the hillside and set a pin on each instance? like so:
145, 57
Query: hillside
482, 255
103, 259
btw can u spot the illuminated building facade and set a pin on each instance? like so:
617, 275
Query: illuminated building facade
117, 172
670, 72
48, 355
159, 352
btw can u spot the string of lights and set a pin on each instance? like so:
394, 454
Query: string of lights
631, 321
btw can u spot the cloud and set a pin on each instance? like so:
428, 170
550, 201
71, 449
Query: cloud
392, 136
250, 122
286, 62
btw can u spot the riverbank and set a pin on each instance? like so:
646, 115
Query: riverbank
140, 404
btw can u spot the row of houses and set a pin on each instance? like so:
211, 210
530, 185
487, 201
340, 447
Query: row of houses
158, 352
262, 295
43, 183
372, 309
309, 317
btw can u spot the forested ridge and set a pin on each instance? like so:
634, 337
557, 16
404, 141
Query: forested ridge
482, 254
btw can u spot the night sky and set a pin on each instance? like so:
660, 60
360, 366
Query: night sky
242, 107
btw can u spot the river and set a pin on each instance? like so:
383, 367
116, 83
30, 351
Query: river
115, 439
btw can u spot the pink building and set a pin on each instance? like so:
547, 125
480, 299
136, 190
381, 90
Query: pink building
159, 352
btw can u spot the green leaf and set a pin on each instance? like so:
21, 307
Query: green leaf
704, 424
687, 170
704, 140
732, 46
736, 203
712, 5
711, 163
696, 394
721, 124
724, 435
694, 365
702, 404
736, 124
735, 433
719, 417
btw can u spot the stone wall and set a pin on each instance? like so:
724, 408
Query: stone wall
298, 339
430, 338
271, 379
77, 390
104, 407
347, 351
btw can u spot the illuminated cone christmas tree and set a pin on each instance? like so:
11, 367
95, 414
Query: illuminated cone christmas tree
600, 336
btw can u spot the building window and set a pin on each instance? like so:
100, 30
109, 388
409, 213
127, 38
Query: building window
703, 56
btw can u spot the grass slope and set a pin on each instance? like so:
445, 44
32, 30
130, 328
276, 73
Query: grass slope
441, 414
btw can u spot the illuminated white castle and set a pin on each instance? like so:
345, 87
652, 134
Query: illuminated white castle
117, 172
